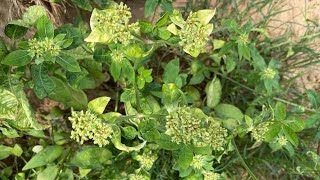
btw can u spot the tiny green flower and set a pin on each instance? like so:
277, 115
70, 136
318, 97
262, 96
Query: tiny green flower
138, 177
198, 162
244, 38
282, 140
87, 125
258, 133
117, 55
211, 176
268, 73
146, 160
40, 48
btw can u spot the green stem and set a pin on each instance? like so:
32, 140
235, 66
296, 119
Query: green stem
136, 87
252, 90
242, 161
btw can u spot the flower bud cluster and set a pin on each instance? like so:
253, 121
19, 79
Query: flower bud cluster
282, 140
258, 133
116, 24
193, 34
137, 177
117, 55
268, 73
40, 48
184, 127
146, 160
198, 162
211, 176
87, 125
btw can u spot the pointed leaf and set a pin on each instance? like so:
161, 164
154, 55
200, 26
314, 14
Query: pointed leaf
171, 71
205, 15
185, 157
290, 135
280, 111
99, 104
273, 131
17, 58
68, 62
45, 28
44, 85
44, 157
8, 104
214, 92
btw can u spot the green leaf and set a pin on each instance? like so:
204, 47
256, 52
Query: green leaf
14, 30
33, 13
163, 20
68, 95
145, 26
166, 6
83, 4
228, 111
5, 151
129, 132
171, 71
72, 33
312, 120
44, 85
244, 51
17, 150
163, 33
176, 18
214, 92
66, 175
217, 44
127, 70
8, 104
173, 29
45, 28
133, 51
185, 157
115, 70
205, 15
99, 104
25, 118
116, 140
295, 123
290, 135
273, 131
68, 62
314, 98
166, 143
49, 173
17, 58
91, 157
150, 7
280, 111
44, 157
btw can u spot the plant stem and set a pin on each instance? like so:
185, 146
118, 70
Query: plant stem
242, 161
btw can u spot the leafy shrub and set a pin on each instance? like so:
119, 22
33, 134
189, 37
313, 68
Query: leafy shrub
186, 101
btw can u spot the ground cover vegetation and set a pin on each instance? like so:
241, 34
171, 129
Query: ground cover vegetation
198, 94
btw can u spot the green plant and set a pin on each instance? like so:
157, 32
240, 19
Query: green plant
177, 108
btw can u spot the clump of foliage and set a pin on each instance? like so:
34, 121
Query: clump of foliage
193, 96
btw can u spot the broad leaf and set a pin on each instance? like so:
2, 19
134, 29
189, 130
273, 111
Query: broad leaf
150, 7
44, 85
49, 173
116, 140
166, 143
83, 4
32, 14
68, 62
44, 157
17, 58
91, 157
214, 92
68, 95
8, 104
185, 157
14, 30
228, 111
280, 111
45, 28
71, 32
290, 135
205, 15
99, 104
171, 71
273, 131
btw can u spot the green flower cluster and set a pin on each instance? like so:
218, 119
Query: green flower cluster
268, 73
211, 176
87, 125
115, 23
40, 48
184, 126
258, 133
198, 162
117, 55
282, 140
137, 177
146, 160
193, 34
